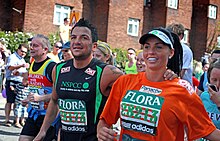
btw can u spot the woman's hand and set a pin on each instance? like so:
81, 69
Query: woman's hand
214, 96
104, 133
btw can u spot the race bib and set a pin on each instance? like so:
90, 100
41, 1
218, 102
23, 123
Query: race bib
140, 111
73, 115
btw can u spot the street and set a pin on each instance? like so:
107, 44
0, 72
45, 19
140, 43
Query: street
7, 133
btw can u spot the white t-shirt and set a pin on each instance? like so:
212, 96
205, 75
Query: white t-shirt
187, 63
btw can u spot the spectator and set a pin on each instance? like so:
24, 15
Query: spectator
40, 84
54, 53
204, 79
14, 63
22, 91
67, 54
187, 68
211, 97
130, 66
152, 108
65, 31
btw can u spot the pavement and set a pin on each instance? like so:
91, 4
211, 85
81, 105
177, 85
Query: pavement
7, 133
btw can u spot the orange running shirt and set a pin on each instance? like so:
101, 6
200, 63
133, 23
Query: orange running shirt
156, 111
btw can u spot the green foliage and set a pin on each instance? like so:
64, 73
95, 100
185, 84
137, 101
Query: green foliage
53, 38
13, 39
121, 57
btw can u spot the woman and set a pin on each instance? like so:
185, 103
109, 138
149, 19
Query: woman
103, 53
152, 108
67, 54
211, 98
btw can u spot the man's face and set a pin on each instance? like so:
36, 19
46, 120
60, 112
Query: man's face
81, 43
22, 51
36, 49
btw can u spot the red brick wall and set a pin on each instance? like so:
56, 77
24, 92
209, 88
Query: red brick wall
213, 27
119, 13
39, 15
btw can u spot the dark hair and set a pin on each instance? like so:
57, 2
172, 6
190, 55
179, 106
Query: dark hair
214, 64
23, 45
131, 49
65, 19
85, 23
176, 62
216, 51
176, 28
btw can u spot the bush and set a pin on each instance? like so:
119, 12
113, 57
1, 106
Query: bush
121, 57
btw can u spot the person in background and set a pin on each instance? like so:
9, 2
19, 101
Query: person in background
83, 82
163, 108
4, 53
40, 85
54, 53
103, 53
64, 31
114, 56
67, 54
204, 78
130, 66
15, 62
22, 91
211, 103
187, 68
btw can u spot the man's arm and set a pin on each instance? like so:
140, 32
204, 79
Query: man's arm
51, 114
109, 76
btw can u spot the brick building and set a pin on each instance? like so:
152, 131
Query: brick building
119, 22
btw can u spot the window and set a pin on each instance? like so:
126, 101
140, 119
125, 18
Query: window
186, 36
212, 12
173, 4
133, 27
60, 12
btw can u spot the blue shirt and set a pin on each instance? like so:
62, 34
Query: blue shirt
14, 60
211, 108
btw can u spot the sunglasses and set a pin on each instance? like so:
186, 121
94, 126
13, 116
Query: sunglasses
65, 50
23, 51
58, 46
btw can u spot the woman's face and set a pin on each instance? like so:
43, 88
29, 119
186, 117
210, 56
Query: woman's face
140, 62
100, 56
156, 54
67, 54
215, 77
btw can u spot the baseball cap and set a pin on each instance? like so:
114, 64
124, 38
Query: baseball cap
159, 33
66, 45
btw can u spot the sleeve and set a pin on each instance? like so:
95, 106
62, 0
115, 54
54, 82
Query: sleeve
200, 87
10, 61
198, 122
112, 108
187, 57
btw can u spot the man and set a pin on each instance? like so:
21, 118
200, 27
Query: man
67, 54
130, 66
65, 31
54, 53
40, 84
15, 63
204, 78
83, 85
187, 68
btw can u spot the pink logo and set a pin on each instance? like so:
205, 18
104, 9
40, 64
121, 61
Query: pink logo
90, 71
67, 69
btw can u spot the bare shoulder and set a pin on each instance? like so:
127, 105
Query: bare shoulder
109, 69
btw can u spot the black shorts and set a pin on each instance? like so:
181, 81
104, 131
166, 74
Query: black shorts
9, 93
31, 127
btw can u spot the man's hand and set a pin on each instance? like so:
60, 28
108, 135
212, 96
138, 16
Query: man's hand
34, 97
40, 136
170, 75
